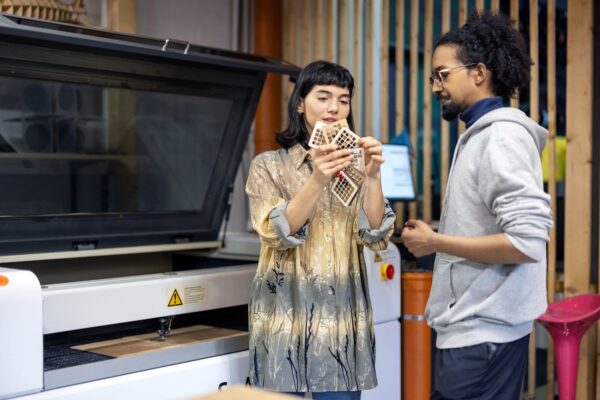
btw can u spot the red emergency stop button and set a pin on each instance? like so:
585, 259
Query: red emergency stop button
387, 272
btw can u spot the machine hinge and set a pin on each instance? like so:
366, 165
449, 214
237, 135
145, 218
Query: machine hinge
85, 245
182, 239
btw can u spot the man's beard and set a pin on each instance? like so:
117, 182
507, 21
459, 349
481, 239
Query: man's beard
450, 110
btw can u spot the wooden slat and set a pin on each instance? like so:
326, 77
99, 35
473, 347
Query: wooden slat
445, 127
414, 70
399, 90
344, 25
368, 93
332, 13
427, 46
288, 52
399, 65
305, 29
358, 67
121, 15
385, 34
578, 205
320, 28
495, 6
480, 5
533, 113
463, 12
551, 92
514, 16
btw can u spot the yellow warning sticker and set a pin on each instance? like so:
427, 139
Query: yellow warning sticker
175, 299
378, 257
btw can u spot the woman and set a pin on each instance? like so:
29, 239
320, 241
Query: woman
310, 319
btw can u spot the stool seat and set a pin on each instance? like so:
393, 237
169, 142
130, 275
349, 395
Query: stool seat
585, 307
567, 321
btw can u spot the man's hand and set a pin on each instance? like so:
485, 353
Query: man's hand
419, 238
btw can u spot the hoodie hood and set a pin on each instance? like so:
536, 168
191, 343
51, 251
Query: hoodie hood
509, 114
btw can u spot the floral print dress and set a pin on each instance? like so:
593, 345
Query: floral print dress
310, 319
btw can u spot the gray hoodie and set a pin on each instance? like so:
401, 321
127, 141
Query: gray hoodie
495, 185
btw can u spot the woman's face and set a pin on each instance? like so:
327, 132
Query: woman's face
325, 103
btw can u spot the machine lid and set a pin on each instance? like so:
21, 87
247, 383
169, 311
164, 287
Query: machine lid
114, 141
59, 34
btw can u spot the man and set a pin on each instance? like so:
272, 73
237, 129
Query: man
489, 281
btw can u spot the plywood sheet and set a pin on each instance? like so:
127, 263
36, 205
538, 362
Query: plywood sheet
134, 345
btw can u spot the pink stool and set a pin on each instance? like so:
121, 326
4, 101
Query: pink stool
567, 320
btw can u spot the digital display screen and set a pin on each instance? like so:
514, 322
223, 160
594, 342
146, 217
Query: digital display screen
396, 175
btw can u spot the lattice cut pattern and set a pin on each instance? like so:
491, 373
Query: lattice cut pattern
344, 188
335, 128
345, 139
319, 135
354, 174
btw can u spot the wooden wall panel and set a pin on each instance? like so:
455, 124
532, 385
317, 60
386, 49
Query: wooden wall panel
358, 46
578, 170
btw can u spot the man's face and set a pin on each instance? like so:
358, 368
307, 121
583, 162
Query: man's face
451, 82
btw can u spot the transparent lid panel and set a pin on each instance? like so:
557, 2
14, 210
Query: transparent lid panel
69, 148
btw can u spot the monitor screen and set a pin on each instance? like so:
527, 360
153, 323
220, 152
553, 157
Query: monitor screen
396, 176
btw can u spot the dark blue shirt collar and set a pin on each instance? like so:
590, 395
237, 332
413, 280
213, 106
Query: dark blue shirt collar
478, 109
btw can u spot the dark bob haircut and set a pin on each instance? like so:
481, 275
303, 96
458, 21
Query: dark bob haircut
490, 39
315, 73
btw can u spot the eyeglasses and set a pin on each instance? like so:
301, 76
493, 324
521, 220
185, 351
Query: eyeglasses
437, 78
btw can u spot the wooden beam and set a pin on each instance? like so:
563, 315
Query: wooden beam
288, 52
463, 11
384, 93
533, 114
368, 90
427, 46
580, 28
121, 15
399, 90
267, 41
414, 71
514, 16
358, 64
495, 7
551, 92
445, 126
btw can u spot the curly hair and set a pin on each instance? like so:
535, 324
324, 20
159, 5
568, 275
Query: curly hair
316, 73
490, 39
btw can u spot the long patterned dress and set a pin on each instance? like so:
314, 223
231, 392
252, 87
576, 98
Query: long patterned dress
310, 318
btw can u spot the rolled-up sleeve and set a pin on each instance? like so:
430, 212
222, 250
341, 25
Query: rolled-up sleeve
282, 227
377, 238
267, 207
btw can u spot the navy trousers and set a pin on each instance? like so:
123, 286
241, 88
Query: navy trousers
487, 371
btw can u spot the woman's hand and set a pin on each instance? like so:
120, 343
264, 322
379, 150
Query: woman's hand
373, 158
328, 161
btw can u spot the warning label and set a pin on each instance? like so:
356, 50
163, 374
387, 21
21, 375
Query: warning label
175, 299
195, 294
